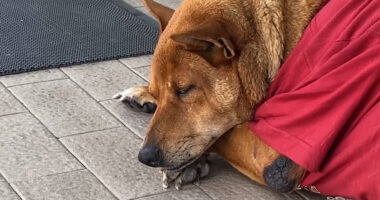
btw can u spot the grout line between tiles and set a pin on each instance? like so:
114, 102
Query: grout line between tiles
169, 191
17, 99
13, 189
140, 67
301, 195
131, 69
93, 173
39, 121
99, 103
63, 146
134, 70
16, 113
124, 124
48, 175
58, 79
86, 168
166, 4
18, 193
150, 195
200, 188
101, 100
83, 133
77, 84
43, 125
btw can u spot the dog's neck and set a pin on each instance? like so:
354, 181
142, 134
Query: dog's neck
268, 17
279, 24
297, 15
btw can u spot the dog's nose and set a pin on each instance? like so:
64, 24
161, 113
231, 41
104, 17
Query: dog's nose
151, 156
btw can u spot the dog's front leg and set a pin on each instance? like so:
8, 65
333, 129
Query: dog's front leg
252, 157
138, 98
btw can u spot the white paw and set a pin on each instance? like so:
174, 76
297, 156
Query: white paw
138, 98
125, 94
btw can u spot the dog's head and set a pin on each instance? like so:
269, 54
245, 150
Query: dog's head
208, 73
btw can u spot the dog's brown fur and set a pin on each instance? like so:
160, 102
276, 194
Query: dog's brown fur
212, 65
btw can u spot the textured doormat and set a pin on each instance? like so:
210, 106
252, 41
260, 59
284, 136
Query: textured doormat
40, 34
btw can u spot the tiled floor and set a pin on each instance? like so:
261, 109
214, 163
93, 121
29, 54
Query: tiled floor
63, 137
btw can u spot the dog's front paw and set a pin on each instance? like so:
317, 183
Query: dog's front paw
138, 98
278, 175
191, 174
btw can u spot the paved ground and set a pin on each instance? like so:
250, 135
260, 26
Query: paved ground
63, 137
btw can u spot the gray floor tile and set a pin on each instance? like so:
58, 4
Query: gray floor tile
64, 108
170, 3
224, 182
143, 72
8, 103
144, 11
102, 80
174, 4
310, 196
136, 121
28, 150
135, 62
112, 156
6, 192
138, 3
134, 3
32, 77
193, 194
76, 185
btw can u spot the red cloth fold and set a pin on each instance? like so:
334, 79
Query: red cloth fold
323, 108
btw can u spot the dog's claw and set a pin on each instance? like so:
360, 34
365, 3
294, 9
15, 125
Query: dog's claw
138, 98
178, 184
191, 174
116, 96
168, 176
197, 182
165, 185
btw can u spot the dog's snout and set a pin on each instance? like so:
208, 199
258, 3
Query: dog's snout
150, 155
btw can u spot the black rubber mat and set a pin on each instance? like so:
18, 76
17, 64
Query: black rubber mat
40, 34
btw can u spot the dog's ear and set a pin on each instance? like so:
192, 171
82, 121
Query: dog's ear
160, 12
210, 42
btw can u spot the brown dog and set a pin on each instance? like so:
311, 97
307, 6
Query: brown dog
212, 65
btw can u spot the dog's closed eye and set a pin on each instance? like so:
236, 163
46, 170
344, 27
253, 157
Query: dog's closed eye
183, 92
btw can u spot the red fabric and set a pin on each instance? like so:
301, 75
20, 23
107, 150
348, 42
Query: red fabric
323, 108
